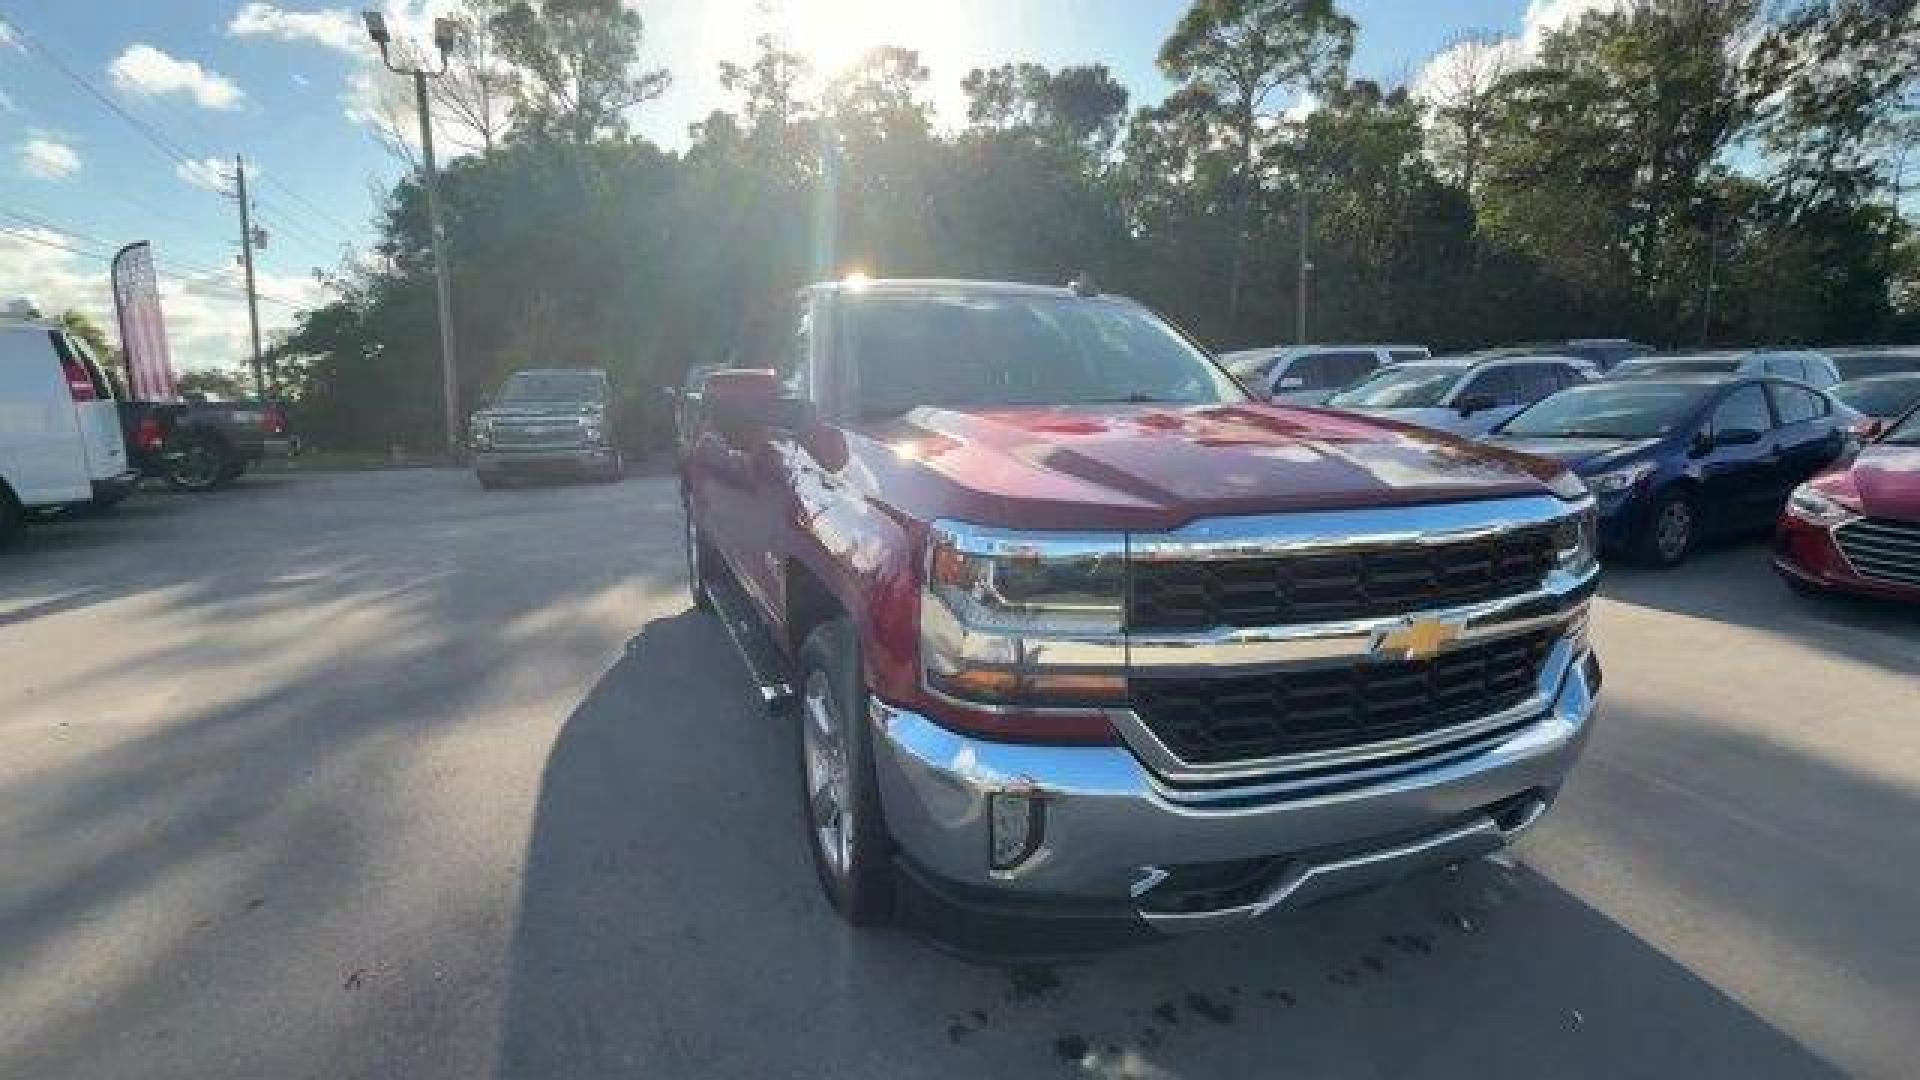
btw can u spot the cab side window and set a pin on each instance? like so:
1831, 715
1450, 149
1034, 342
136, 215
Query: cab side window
1744, 409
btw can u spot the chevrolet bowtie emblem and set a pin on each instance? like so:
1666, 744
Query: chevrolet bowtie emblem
1417, 639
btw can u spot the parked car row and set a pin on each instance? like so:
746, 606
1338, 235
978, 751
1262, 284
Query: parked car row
69, 438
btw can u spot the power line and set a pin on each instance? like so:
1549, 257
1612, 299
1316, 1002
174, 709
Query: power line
171, 149
306, 202
107, 254
161, 142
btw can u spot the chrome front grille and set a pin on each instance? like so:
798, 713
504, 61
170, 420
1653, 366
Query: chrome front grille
543, 434
1208, 721
1882, 549
1334, 585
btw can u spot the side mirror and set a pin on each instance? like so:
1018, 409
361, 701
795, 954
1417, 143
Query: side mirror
1735, 437
747, 398
1474, 403
1874, 428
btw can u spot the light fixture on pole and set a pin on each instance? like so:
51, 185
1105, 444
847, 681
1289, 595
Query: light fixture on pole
444, 33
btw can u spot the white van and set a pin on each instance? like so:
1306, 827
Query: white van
60, 438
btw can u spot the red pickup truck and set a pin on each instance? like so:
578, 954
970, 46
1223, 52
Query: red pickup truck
1081, 639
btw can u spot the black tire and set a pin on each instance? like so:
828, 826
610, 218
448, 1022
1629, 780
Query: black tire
13, 517
1672, 531
200, 465
235, 470
858, 877
696, 561
489, 479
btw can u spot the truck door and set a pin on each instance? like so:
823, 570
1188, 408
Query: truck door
741, 474
42, 454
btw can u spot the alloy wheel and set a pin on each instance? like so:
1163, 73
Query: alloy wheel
824, 745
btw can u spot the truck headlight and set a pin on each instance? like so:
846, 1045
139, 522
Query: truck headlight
1811, 504
1002, 614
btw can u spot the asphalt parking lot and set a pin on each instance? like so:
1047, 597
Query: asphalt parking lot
379, 775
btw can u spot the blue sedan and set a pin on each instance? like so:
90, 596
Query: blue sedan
1675, 459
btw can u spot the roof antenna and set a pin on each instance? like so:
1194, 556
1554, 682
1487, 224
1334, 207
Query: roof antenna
1082, 285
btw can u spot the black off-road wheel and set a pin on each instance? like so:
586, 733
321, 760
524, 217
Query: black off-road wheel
201, 464
697, 574
13, 517
840, 794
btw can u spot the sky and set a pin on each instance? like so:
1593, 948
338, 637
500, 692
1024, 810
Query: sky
119, 120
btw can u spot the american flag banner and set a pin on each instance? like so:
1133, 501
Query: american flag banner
143, 332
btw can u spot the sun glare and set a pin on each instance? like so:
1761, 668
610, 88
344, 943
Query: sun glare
833, 34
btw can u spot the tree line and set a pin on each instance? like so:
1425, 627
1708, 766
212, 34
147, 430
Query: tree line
1684, 172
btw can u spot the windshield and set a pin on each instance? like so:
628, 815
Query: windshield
1641, 369
1866, 365
1609, 411
530, 387
985, 350
1879, 397
1403, 386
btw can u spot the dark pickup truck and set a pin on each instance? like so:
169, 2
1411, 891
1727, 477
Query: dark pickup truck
1081, 639
196, 444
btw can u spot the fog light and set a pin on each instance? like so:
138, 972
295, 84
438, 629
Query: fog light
1016, 827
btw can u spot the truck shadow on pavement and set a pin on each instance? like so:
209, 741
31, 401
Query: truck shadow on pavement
670, 925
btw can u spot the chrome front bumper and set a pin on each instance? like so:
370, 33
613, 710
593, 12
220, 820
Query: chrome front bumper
1113, 830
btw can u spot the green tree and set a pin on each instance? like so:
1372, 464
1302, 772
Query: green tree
574, 62
1244, 53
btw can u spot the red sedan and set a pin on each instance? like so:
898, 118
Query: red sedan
1857, 529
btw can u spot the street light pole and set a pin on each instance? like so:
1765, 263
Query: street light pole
443, 33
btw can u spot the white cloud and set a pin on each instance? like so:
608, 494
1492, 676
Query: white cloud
145, 70
206, 313
48, 157
7, 37
211, 173
6, 103
335, 28
1543, 17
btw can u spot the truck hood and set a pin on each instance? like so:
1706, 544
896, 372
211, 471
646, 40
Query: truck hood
1158, 468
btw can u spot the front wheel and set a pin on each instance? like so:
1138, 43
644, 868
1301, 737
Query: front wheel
1673, 528
696, 562
840, 796
13, 516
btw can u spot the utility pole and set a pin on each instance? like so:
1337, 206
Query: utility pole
247, 242
443, 35
1306, 268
